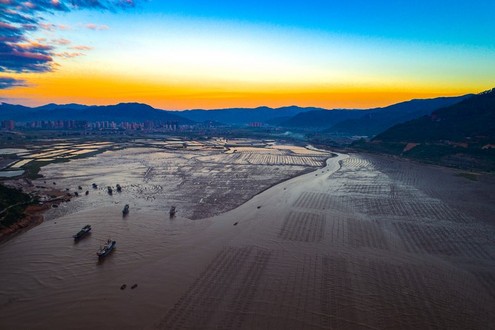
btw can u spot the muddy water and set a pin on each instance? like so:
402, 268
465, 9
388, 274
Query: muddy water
361, 243
49, 274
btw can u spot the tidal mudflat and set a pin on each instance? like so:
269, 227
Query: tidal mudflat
363, 242
200, 183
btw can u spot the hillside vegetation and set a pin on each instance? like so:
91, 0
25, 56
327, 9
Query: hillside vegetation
461, 135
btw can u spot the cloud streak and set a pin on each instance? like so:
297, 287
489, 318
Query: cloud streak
8, 82
92, 26
69, 54
53, 27
18, 19
81, 47
61, 42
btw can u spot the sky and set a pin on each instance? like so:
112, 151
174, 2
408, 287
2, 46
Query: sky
185, 54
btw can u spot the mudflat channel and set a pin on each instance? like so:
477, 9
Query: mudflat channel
364, 242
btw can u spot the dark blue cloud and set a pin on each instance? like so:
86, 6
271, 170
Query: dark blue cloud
10, 33
19, 18
25, 57
7, 82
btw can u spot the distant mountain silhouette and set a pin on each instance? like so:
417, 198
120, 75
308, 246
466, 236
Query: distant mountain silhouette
377, 120
368, 122
141, 112
460, 135
133, 112
342, 121
7, 109
53, 106
241, 116
321, 119
471, 119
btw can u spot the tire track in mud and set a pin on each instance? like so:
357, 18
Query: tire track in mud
487, 280
337, 306
243, 300
442, 240
223, 294
407, 296
314, 200
303, 227
366, 234
201, 300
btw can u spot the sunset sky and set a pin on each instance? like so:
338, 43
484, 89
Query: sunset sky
216, 54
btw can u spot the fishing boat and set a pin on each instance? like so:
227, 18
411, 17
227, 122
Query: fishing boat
172, 211
83, 232
106, 249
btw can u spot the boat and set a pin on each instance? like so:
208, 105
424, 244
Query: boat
119, 188
95, 186
172, 211
110, 190
106, 249
83, 232
125, 211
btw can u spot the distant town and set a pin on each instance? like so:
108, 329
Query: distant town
96, 125
10, 125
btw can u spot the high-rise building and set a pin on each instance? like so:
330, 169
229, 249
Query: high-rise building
8, 125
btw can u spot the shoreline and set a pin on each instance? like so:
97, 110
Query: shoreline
33, 214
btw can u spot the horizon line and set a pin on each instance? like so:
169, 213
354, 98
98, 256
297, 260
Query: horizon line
242, 108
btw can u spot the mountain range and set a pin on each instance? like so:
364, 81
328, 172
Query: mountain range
142, 112
349, 122
461, 135
133, 112
377, 120
368, 122
472, 119
242, 116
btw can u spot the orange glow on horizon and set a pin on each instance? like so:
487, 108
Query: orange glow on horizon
179, 95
